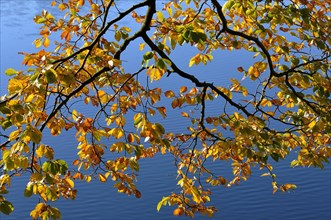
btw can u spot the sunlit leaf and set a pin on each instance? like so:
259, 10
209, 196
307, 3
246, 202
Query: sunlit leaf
46, 42
10, 72
102, 177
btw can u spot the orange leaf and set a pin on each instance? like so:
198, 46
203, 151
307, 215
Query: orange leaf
130, 138
46, 42
169, 94
162, 111
184, 114
178, 211
183, 89
175, 103
137, 193
81, 2
240, 69
102, 178
75, 162
62, 7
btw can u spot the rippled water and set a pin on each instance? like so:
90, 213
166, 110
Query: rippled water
250, 200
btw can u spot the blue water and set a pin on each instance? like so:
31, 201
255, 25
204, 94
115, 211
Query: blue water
250, 200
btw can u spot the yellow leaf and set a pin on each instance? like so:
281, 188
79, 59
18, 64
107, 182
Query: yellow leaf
13, 135
114, 107
74, 115
312, 124
163, 202
126, 29
192, 61
95, 7
102, 96
262, 66
69, 51
40, 151
39, 207
37, 210
30, 97
160, 16
155, 73
304, 151
116, 62
290, 186
70, 182
107, 174
120, 121
264, 102
34, 134
196, 195
38, 42
253, 72
142, 46
116, 132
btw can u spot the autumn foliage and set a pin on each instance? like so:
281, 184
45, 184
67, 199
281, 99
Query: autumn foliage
79, 59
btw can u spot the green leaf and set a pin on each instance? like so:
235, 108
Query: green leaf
118, 35
6, 124
160, 128
134, 164
51, 76
49, 179
186, 35
35, 135
55, 213
195, 37
148, 55
160, 64
54, 168
6, 207
28, 191
5, 110
46, 166
228, 5
275, 156
63, 166
173, 43
10, 72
